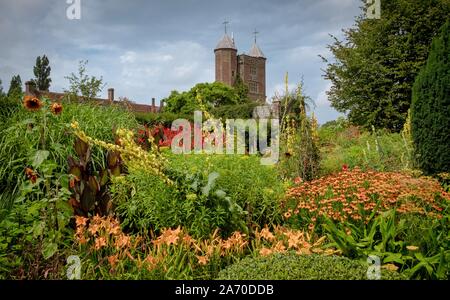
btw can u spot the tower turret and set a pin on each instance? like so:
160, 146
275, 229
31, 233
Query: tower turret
226, 59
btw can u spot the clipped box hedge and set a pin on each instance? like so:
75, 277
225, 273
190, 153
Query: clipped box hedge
301, 267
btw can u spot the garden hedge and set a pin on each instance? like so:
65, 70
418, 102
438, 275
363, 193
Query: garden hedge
301, 267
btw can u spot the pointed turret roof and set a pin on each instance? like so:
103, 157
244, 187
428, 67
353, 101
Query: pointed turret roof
226, 43
256, 51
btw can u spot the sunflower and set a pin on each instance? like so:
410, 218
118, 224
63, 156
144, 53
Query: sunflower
56, 108
32, 103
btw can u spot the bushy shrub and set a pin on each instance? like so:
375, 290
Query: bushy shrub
430, 114
238, 111
254, 187
24, 132
226, 192
342, 144
301, 267
164, 118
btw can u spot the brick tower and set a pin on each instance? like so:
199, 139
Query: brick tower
226, 59
250, 67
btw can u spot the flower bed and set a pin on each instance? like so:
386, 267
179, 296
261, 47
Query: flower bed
353, 195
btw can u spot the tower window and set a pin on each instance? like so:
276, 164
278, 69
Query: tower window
253, 86
253, 73
232, 74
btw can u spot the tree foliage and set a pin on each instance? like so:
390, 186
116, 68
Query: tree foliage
2, 94
375, 65
41, 72
241, 89
208, 95
15, 88
430, 114
83, 85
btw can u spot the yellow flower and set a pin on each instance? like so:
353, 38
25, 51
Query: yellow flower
412, 248
390, 267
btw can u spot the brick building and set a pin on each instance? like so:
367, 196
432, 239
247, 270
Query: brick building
251, 67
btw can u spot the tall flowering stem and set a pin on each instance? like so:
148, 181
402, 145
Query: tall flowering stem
131, 153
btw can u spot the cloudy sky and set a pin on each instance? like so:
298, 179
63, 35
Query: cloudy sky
145, 49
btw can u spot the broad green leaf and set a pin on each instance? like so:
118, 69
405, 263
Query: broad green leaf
49, 250
39, 158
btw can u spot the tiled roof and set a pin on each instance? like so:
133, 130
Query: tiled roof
226, 43
134, 107
256, 52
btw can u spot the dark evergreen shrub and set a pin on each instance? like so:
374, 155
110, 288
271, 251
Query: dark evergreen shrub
430, 118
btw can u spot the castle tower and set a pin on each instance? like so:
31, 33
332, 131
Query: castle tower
252, 70
226, 59
250, 67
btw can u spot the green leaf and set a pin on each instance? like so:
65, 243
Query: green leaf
39, 158
49, 250
38, 229
394, 257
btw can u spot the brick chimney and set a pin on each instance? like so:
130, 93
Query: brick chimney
29, 88
153, 105
111, 94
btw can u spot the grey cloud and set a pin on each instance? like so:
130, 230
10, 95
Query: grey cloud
146, 49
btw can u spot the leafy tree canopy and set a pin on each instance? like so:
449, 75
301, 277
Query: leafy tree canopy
375, 65
15, 88
83, 85
2, 94
41, 72
208, 95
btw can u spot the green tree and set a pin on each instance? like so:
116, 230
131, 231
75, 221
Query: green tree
430, 114
208, 95
241, 89
42, 74
375, 65
83, 85
2, 94
15, 88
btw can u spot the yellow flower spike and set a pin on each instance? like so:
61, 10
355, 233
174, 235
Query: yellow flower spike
133, 155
